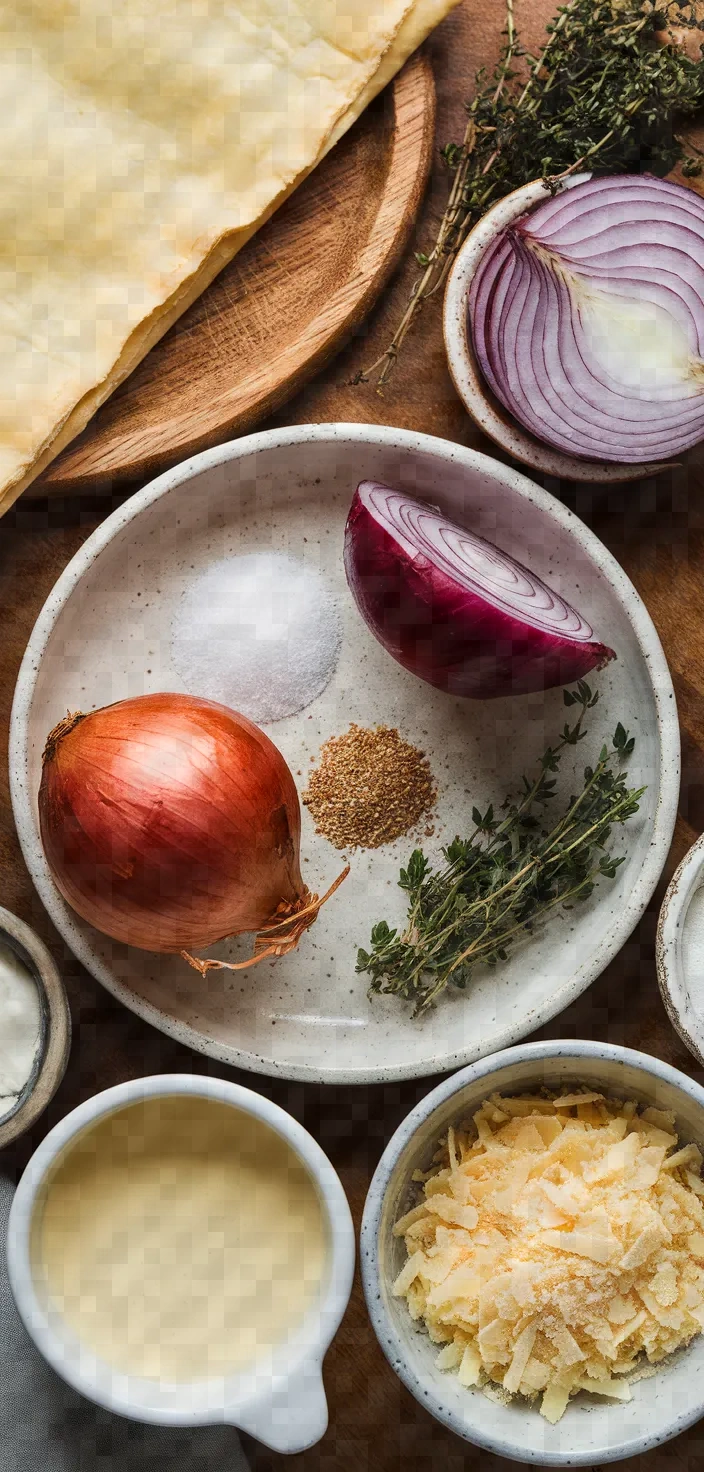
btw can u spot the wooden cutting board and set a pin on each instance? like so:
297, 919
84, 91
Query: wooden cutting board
281, 309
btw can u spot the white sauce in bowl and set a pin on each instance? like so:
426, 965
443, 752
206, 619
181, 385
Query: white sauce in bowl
20, 1027
180, 1239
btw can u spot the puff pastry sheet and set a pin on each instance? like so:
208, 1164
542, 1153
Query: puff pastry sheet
145, 142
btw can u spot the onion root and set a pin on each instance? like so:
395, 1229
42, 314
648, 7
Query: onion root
294, 920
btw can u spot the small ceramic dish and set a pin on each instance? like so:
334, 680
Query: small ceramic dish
105, 633
477, 397
281, 1399
591, 1431
679, 951
55, 1034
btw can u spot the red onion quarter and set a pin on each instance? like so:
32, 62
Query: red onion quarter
456, 610
587, 319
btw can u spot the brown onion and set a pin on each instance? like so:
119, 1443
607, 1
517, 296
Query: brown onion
170, 822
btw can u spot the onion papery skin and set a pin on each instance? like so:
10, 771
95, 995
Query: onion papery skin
546, 286
458, 632
170, 822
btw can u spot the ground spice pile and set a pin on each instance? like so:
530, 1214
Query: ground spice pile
371, 786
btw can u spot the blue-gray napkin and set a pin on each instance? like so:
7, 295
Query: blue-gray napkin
45, 1426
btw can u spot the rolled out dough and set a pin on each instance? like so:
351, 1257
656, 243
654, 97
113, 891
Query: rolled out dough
145, 142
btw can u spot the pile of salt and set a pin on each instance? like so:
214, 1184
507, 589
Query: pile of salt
20, 1027
259, 632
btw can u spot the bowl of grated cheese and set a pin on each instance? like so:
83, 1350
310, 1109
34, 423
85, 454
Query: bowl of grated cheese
533, 1253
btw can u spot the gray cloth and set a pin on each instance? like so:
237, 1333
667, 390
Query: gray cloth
45, 1426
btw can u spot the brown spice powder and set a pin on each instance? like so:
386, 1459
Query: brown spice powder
371, 786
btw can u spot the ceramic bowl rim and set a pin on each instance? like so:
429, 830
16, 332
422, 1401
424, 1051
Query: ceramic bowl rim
440, 450
668, 947
330, 1307
491, 416
389, 1341
55, 1036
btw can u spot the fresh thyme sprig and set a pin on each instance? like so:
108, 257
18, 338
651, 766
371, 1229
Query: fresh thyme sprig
604, 94
505, 879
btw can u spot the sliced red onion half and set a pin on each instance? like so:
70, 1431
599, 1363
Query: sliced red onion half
454, 609
587, 319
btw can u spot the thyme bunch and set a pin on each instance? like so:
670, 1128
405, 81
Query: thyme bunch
607, 93
505, 879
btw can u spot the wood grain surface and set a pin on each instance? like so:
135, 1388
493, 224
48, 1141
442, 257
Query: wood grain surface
656, 530
283, 306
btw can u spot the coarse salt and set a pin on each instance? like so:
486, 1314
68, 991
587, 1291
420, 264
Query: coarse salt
259, 632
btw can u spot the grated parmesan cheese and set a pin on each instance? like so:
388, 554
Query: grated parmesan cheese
558, 1247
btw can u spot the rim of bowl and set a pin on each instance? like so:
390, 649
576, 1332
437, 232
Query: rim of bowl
291, 1356
391, 1344
479, 401
409, 441
52, 1056
668, 949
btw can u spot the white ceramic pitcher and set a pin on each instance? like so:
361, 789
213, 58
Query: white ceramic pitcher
281, 1399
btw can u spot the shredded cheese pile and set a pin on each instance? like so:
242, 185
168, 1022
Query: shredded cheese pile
559, 1246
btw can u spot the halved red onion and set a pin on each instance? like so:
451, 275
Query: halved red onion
587, 319
454, 609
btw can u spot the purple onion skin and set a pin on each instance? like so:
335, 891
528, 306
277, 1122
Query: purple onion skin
446, 635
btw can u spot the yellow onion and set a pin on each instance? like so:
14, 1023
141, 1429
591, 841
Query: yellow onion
170, 822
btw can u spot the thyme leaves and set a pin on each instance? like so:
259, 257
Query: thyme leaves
504, 880
608, 92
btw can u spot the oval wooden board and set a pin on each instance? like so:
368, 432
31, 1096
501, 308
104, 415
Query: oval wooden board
282, 308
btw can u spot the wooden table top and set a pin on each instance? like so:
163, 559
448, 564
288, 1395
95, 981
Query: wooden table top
656, 530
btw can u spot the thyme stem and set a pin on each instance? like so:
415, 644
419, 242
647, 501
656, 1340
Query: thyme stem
603, 92
508, 876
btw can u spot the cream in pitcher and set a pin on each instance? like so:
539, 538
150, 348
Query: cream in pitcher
180, 1239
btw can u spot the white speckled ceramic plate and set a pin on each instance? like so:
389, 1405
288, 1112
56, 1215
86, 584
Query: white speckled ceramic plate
104, 634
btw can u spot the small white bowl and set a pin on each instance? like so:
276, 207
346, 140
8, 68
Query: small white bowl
591, 1431
479, 401
55, 1034
679, 949
281, 1401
